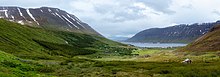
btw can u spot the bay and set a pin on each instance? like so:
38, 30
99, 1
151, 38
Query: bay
156, 45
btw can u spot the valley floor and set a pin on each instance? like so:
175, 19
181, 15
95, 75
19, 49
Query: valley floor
143, 63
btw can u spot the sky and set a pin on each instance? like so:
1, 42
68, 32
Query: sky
120, 19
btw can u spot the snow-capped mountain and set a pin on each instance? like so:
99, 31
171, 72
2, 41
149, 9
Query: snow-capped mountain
46, 17
183, 33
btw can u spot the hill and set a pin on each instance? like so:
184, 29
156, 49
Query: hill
37, 43
183, 33
208, 42
46, 17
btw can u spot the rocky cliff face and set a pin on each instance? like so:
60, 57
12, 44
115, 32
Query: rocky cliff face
176, 34
46, 17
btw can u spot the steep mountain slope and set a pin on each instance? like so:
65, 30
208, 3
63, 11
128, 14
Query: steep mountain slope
46, 17
208, 42
179, 33
37, 43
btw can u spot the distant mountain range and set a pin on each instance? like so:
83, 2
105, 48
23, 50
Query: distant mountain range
46, 17
209, 42
182, 33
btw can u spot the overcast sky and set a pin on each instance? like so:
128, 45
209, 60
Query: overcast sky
124, 18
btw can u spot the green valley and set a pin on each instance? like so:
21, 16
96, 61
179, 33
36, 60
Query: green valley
35, 52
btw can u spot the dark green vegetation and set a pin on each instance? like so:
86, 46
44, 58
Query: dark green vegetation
35, 43
77, 67
182, 33
33, 52
39, 44
209, 42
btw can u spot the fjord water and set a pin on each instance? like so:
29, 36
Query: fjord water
156, 45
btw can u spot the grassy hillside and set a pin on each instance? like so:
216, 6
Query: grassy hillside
12, 66
209, 42
33, 52
36, 43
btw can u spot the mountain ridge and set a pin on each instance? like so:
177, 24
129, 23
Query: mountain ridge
183, 33
36, 43
207, 43
46, 17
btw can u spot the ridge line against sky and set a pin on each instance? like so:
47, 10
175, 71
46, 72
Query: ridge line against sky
120, 19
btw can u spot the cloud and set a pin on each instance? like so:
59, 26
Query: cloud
124, 18
113, 17
29, 3
216, 12
159, 5
192, 11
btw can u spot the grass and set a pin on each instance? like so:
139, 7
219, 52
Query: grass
90, 68
170, 55
150, 51
93, 68
139, 67
12, 66
35, 52
35, 43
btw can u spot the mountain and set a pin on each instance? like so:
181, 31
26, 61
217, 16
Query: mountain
37, 43
45, 33
208, 42
175, 34
46, 17
27, 51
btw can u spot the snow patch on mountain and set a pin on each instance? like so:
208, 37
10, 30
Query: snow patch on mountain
59, 15
53, 14
6, 12
12, 17
20, 12
29, 13
21, 22
78, 20
75, 20
45, 16
57, 10
70, 17
80, 24
49, 10
41, 10
70, 22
